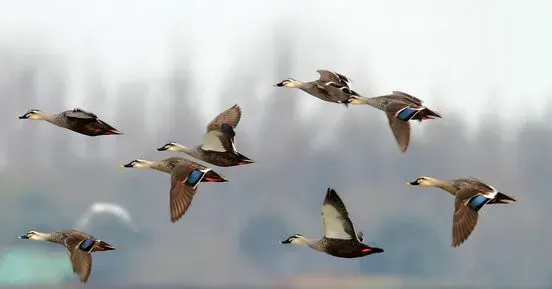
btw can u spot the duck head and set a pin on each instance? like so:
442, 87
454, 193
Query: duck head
171, 147
33, 235
295, 239
34, 114
423, 182
138, 163
290, 82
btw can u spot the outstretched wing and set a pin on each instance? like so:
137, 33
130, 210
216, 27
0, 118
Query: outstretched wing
465, 217
221, 140
401, 131
81, 260
184, 181
329, 76
80, 114
337, 224
230, 116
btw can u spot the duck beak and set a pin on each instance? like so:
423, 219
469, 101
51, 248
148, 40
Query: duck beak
23, 237
413, 183
25, 116
286, 241
129, 165
279, 84
163, 148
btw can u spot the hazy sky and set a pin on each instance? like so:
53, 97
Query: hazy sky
160, 70
492, 53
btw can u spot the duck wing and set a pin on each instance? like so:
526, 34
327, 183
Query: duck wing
220, 140
81, 260
230, 116
80, 113
220, 131
88, 123
399, 127
329, 76
185, 179
82, 264
466, 206
335, 217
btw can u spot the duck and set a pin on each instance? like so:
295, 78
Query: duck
79, 246
340, 238
400, 108
77, 120
471, 194
330, 86
218, 146
185, 178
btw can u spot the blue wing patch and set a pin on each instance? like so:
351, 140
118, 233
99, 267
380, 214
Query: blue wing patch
86, 245
406, 113
227, 129
194, 177
477, 202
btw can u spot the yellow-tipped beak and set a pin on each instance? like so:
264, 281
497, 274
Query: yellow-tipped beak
408, 184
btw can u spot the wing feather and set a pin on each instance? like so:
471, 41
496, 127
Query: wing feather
400, 129
80, 113
337, 224
181, 194
81, 262
465, 218
329, 76
230, 116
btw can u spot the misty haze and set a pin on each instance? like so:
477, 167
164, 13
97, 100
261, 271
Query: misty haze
159, 71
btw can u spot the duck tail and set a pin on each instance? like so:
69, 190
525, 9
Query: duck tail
212, 176
244, 160
501, 198
112, 131
103, 246
372, 250
426, 114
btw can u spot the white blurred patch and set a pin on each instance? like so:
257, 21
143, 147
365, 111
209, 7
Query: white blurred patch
106, 208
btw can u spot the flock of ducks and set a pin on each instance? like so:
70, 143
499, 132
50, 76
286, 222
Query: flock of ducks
340, 238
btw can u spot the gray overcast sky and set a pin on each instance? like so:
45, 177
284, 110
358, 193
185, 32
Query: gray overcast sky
160, 70
472, 48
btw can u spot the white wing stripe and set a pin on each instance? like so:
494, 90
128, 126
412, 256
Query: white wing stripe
333, 222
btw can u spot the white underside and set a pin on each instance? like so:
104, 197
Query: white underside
211, 142
334, 224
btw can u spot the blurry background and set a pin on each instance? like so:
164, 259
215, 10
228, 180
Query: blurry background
161, 70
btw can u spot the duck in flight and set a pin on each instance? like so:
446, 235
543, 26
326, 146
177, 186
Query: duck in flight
79, 246
470, 195
218, 146
330, 86
77, 120
185, 178
400, 108
340, 238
